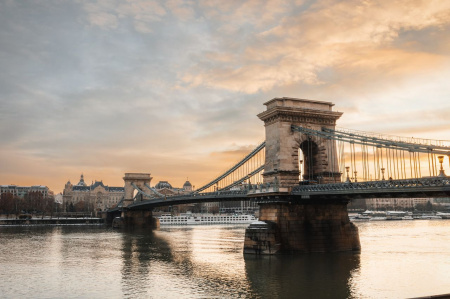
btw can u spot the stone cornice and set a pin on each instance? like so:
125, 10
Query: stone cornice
299, 115
297, 100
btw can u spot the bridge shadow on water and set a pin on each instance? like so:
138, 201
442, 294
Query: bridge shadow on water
141, 250
192, 263
318, 275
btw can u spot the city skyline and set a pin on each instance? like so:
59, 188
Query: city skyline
172, 88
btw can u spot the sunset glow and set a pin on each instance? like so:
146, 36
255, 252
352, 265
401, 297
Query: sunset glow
172, 88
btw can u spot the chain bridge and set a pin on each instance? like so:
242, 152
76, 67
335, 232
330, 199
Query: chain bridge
303, 175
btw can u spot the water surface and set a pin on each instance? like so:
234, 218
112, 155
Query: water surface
399, 259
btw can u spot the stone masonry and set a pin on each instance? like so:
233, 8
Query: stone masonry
282, 144
303, 228
296, 224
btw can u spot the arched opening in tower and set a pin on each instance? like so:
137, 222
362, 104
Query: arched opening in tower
308, 161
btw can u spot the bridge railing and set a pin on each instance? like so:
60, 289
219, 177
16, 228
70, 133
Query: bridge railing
383, 184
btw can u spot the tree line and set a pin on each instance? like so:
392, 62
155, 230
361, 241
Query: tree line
33, 202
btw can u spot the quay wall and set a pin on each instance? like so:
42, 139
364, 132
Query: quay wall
53, 221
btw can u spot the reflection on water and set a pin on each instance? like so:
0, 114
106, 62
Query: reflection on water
207, 261
308, 276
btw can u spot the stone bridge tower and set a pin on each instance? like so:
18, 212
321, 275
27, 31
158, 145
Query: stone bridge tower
139, 180
282, 145
136, 218
293, 223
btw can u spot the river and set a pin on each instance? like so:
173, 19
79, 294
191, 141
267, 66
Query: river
399, 259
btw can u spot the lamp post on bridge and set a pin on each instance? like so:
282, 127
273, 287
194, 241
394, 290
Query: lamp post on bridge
441, 171
382, 172
347, 168
356, 180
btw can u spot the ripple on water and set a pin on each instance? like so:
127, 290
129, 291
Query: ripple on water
207, 261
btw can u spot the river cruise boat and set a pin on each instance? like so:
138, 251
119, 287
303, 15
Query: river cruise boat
430, 217
443, 215
193, 219
359, 218
396, 215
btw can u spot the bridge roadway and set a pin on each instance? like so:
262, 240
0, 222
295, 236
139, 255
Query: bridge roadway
423, 187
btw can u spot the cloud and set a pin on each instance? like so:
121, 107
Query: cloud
107, 14
299, 46
173, 87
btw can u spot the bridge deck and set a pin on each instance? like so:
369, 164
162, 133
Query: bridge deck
424, 187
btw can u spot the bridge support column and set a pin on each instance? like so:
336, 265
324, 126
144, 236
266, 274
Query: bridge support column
302, 228
139, 219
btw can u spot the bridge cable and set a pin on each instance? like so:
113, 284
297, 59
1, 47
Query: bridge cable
391, 170
403, 162
328, 157
344, 157
410, 165
375, 169
388, 164
391, 158
415, 165
363, 162
368, 162
398, 167
420, 169
416, 161
363, 159
434, 165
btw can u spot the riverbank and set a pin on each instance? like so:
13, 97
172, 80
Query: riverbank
51, 221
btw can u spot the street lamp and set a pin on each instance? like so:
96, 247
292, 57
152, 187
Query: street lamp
441, 171
356, 180
382, 172
347, 168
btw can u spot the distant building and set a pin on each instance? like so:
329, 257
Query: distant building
97, 196
164, 187
241, 206
395, 203
21, 191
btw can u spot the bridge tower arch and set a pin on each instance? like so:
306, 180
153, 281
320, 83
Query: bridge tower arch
282, 145
131, 180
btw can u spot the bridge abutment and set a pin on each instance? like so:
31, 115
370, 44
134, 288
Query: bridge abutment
139, 219
302, 228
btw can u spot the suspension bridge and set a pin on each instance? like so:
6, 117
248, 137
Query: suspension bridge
303, 176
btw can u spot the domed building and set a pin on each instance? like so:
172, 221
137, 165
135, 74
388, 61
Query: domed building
163, 184
81, 182
164, 187
187, 186
96, 197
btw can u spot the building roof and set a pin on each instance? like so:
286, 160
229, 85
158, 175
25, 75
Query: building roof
163, 184
81, 182
187, 184
82, 186
97, 183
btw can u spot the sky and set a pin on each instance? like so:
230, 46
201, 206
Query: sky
172, 88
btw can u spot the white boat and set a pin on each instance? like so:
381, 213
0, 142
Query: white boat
359, 218
407, 217
396, 215
192, 219
430, 217
443, 215
377, 218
